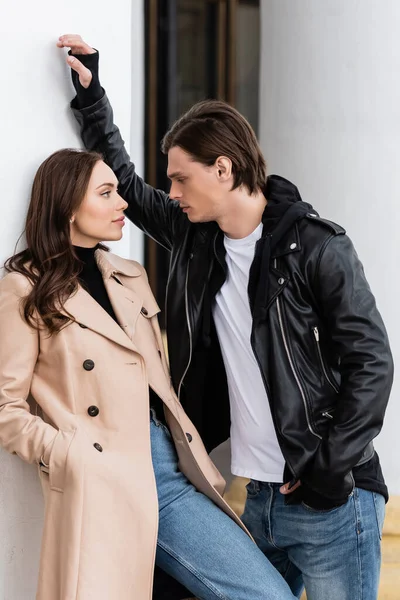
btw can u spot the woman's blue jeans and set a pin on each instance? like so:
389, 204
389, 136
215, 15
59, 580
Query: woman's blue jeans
198, 544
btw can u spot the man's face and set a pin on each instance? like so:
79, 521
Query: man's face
200, 190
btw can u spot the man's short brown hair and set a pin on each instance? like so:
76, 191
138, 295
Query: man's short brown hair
212, 128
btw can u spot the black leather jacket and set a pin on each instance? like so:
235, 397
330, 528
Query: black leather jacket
317, 335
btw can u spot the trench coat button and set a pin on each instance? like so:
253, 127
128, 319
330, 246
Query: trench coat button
88, 365
281, 281
293, 246
144, 311
98, 447
93, 411
82, 325
189, 437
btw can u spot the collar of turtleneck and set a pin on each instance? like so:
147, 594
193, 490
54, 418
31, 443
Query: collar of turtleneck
86, 255
91, 278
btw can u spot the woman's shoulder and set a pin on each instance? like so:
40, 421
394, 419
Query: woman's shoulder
17, 283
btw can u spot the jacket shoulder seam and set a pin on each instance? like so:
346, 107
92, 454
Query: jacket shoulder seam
320, 255
334, 227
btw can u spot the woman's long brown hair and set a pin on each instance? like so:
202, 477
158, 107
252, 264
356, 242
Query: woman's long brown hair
49, 260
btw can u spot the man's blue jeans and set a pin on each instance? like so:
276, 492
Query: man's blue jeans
335, 554
199, 544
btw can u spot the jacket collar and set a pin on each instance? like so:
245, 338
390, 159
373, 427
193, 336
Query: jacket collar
284, 205
279, 192
289, 243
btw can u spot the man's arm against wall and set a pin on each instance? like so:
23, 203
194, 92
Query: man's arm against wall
151, 210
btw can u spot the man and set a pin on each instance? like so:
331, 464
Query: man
274, 338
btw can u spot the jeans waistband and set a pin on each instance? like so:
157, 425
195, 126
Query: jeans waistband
261, 485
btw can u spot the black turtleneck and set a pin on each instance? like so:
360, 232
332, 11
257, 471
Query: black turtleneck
91, 279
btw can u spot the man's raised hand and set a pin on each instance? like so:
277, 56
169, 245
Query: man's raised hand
77, 46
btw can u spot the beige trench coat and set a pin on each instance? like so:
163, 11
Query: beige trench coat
79, 402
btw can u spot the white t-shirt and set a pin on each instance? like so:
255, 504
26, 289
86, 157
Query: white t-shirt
255, 450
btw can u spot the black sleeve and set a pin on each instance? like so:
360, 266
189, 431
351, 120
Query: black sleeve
359, 337
149, 209
87, 96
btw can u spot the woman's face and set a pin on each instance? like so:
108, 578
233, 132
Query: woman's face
100, 217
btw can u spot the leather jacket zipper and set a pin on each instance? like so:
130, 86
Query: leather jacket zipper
215, 247
166, 292
327, 414
224, 267
188, 318
321, 360
189, 329
284, 338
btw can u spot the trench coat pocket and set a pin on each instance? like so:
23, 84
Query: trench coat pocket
57, 462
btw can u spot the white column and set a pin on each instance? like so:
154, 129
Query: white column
35, 121
330, 122
136, 250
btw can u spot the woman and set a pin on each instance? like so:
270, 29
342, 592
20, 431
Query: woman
80, 347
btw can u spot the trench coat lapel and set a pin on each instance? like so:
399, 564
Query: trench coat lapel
87, 312
126, 303
128, 293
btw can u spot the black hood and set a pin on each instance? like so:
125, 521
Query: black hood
278, 189
281, 196
284, 208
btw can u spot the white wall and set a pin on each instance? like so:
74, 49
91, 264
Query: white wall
35, 121
330, 121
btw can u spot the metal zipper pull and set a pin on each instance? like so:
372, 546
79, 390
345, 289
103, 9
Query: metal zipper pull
327, 415
323, 367
189, 328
